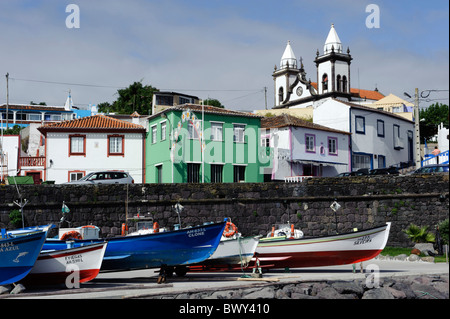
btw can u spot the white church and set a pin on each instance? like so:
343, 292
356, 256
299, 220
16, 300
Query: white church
378, 139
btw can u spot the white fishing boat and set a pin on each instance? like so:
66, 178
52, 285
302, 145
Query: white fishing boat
234, 251
54, 267
340, 249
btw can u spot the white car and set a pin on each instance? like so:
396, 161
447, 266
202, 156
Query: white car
105, 177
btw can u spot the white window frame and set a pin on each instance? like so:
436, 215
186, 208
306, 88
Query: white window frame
239, 133
217, 131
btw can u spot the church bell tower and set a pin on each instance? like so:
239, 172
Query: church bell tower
333, 68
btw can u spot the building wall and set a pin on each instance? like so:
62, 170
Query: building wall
374, 145
96, 159
254, 207
226, 152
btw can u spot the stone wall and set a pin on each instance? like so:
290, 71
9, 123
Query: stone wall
254, 208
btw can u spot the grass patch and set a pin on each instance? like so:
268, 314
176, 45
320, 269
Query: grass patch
395, 251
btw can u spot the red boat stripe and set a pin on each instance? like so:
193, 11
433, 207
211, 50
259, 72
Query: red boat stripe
51, 255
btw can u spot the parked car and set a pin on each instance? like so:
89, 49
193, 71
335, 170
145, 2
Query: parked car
384, 171
434, 168
360, 172
105, 177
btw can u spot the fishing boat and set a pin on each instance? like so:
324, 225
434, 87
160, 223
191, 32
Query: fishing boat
18, 255
170, 248
234, 251
340, 249
82, 264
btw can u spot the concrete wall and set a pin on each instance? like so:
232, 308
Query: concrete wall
254, 208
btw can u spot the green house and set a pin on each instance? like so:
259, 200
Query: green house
226, 150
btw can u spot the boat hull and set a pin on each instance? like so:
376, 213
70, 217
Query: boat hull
234, 252
82, 264
18, 256
172, 248
323, 251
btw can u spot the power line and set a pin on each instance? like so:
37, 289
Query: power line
67, 83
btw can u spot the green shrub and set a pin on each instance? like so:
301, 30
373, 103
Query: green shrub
419, 234
443, 230
16, 218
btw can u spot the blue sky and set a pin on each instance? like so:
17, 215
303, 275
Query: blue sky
211, 48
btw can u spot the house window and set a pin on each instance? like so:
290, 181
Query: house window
193, 173
216, 173
310, 143
216, 131
239, 174
193, 128
381, 161
360, 125
380, 128
324, 82
398, 143
280, 95
338, 83
115, 145
154, 130
332, 146
344, 84
158, 174
361, 161
238, 131
77, 145
75, 175
163, 131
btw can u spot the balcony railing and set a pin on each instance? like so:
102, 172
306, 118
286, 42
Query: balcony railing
296, 179
31, 161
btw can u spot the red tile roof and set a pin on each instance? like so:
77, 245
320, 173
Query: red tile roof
285, 120
364, 94
95, 122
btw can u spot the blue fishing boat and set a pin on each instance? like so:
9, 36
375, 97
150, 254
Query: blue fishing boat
18, 255
169, 248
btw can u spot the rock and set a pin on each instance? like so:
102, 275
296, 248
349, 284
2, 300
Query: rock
265, 293
426, 292
344, 287
405, 288
317, 287
378, 293
413, 257
402, 257
397, 294
427, 259
426, 248
415, 251
330, 293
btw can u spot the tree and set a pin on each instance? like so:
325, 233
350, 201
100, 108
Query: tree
431, 118
135, 98
213, 102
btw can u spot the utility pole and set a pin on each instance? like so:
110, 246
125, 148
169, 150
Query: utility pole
7, 98
265, 95
416, 128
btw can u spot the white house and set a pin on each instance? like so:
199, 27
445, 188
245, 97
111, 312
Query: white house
9, 155
379, 139
302, 148
77, 147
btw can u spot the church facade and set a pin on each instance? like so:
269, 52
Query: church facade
378, 139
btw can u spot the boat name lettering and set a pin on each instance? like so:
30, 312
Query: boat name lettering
8, 247
196, 232
74, 259
363, 240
